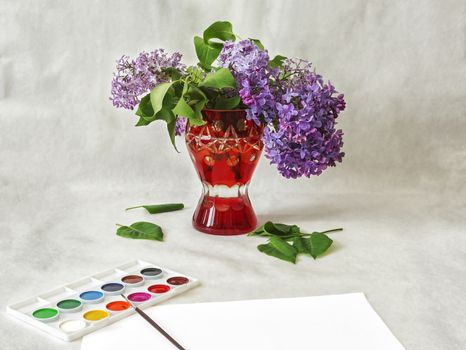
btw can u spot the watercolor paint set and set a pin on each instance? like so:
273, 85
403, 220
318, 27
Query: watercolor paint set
83, 306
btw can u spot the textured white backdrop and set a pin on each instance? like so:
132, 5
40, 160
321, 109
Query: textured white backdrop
70, 162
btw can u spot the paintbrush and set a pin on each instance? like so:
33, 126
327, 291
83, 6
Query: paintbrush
154, 324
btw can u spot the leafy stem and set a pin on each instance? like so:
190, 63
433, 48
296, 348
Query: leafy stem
333, 230
286, 242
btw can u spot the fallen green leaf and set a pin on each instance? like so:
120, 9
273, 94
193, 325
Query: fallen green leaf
276, 229
302, 245
159, 208
319, 243
141, 230
283, 236
279, 248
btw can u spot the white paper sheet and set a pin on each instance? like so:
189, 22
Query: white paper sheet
325, 322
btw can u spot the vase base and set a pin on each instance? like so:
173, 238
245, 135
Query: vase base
215, 232
225, 216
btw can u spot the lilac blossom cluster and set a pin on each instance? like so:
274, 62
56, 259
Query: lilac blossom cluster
250, 67
305, 141
298, 108
134, 78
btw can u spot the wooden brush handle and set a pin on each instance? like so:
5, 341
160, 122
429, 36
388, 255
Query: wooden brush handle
160, 329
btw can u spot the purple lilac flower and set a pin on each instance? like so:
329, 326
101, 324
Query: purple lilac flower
134, 78
304, 141
249, 66
180, 126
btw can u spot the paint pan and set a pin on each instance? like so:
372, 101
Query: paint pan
113, 288
96, 315
69, 305
117, 306
71, 326
91, 297
47, 314
177, 281
139, 297
132, 280
152, 273
159, 288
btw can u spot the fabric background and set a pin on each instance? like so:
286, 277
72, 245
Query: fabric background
70, 163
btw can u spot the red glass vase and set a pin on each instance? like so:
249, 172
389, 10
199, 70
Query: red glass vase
225, 151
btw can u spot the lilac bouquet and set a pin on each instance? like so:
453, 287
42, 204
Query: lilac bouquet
296, 106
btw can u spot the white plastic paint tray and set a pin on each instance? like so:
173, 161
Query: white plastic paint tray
70, 324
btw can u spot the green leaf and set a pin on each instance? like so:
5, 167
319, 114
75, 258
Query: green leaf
142, 122
319, 243
145, 111
258, 43
288, 229
277, 61
169, 117
157, 96
141, 230
281, 230
302, 245
198, 120
183, 109
206, 53
171, 128
280, 249
195, 95
197, 99
160, 208
157, 105
219, 30
314, 245
219, 79
276, 229
227, 103
166, 115
270, 227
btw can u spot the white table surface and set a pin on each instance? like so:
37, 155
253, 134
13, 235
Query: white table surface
405, 252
